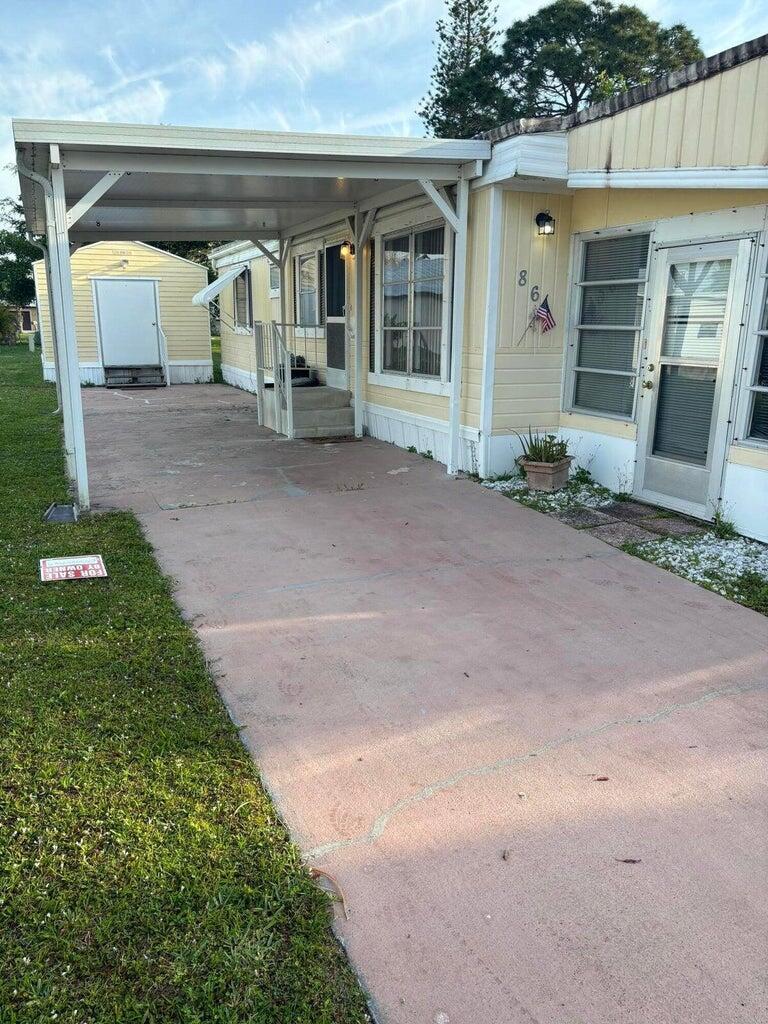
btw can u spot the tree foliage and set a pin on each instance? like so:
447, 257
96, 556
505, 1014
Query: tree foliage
563, 57
463, 94
573, 53
17, 255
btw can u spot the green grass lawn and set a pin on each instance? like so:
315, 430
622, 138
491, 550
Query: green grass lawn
216, 356
144, 875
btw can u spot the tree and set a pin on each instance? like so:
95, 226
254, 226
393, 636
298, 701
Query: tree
575, 52
17, 287
463, 96
198, 252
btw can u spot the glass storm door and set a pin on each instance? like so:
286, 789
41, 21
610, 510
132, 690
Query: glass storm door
335, 317
687, 373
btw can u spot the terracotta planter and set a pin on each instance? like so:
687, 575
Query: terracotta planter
547, 476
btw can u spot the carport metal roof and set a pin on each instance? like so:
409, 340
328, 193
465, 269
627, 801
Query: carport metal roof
86, 182
207, 183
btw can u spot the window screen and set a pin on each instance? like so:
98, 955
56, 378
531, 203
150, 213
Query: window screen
758, 412
274, 278
610, 303
242, 287
413, 284
306, 290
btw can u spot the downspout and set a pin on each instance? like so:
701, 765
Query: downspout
47, 264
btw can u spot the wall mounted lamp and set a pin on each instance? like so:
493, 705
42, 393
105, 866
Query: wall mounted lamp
545, 223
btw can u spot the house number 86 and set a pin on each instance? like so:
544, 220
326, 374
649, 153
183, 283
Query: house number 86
522, 280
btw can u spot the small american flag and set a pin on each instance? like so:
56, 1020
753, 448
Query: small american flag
544, 313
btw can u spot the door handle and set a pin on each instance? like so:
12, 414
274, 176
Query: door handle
648, 385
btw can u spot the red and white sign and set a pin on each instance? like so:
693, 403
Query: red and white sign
76, 567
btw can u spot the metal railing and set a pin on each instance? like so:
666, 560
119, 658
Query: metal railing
164, 356
280, 348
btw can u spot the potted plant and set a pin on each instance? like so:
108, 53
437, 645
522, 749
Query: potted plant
545, 461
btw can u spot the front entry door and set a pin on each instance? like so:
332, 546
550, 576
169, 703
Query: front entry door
335, 317
687, 373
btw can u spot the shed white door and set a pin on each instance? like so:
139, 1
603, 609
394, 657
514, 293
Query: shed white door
127, 315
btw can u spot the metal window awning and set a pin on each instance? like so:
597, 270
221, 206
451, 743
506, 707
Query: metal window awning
209, 293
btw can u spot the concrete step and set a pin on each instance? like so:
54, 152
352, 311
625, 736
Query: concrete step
344, 417
324, 431
320, 398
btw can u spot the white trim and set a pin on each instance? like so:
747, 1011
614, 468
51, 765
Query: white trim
218, 140
672, 178
190, 371
425, 433
404, 382
491, 330
543, 156
183, 371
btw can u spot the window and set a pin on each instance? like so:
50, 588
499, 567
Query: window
307, 290
274, 281
610, 296
757, 421
243, 307
413, 283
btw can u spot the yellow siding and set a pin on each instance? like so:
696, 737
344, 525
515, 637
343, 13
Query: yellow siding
719, 122
237, 349
528, 366
602, 208
186, 326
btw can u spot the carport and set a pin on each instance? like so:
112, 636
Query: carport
85, 182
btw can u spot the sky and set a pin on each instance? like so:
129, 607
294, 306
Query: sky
357, 66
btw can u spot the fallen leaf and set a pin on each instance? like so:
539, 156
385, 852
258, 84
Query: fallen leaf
628, 860
601, 778
506, 854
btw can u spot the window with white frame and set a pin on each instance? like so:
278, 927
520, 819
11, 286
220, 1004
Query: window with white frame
610, 293
243, 302
307, 289
757, 410
412, 290
274, 281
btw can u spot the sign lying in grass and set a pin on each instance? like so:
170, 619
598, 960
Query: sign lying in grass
75, 567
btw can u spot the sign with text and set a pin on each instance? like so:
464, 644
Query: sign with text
74, 567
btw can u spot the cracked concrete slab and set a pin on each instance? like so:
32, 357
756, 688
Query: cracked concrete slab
533, 762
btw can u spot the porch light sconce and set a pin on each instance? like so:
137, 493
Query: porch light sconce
347, 249
545, 223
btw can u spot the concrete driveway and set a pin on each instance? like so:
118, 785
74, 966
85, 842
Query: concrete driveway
532, 762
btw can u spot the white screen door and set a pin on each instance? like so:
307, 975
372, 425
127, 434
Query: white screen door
687, 375
335, 317
127, 314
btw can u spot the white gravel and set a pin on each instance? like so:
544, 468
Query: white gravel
708, 560
583, 496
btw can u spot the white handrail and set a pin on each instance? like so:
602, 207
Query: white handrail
164, 354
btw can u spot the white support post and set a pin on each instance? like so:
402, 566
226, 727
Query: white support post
285, 245
363, 226
258, 345
457, 326
492, 301
61, 288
